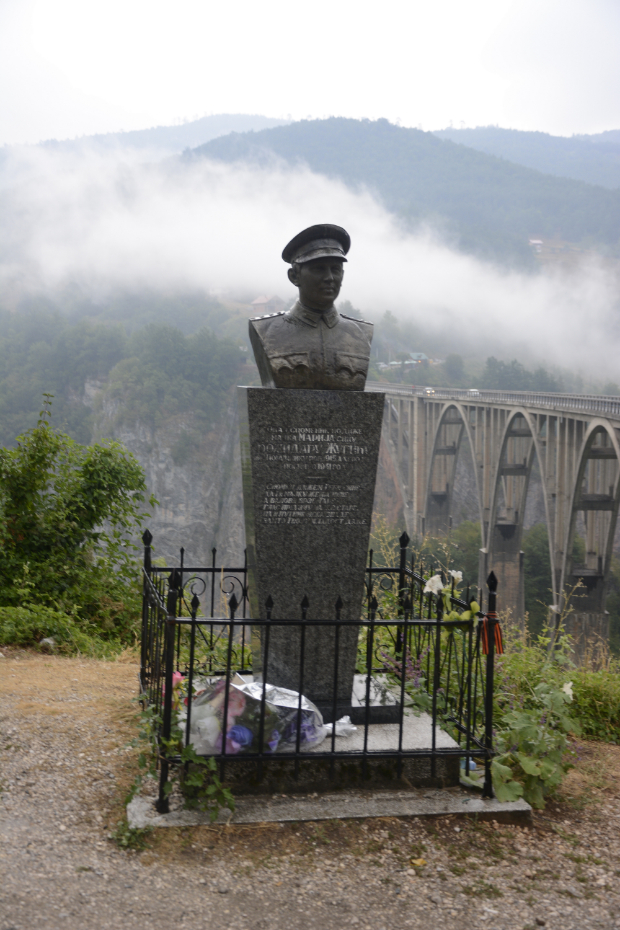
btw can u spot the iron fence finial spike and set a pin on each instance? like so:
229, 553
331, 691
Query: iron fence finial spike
374, 603
195, 603
404, 541
492, 582
147, 537
233, 603
269, 602
305, 603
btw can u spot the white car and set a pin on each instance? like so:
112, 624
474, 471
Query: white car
473, 392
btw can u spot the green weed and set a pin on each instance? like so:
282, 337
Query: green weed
127, 837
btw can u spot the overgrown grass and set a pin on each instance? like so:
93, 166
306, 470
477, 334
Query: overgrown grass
595, 682
73, 635
542, 698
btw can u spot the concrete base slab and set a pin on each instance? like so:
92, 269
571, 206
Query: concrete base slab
417, 734
348, 770
343, 805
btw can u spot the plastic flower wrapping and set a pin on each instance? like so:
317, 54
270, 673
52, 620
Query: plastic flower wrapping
243, 717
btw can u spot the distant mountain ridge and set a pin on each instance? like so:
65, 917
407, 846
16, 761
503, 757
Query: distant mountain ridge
600, 138
593, 159
171, 139
487, 205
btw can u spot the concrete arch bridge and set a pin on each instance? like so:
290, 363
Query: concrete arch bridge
575, 441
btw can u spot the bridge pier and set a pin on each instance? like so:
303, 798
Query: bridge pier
589, 630
507, 562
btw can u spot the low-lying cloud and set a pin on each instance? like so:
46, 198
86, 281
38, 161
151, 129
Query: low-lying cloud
110, 222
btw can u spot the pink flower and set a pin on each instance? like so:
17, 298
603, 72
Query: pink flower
236, 706
177, 678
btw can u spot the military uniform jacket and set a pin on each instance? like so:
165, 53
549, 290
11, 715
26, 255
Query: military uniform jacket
316, 351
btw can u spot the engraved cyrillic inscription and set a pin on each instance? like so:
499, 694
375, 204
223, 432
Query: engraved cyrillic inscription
292, 504
306, 454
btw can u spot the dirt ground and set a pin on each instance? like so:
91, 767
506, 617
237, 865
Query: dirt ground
65, 767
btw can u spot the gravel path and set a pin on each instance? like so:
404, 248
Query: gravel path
64, 729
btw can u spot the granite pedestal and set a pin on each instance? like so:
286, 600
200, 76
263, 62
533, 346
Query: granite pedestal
309, 461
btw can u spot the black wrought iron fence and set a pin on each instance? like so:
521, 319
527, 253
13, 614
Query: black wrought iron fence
422, 697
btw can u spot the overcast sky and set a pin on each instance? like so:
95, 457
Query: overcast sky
73, 67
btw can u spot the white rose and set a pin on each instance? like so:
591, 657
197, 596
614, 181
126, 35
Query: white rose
434, 585
458, 576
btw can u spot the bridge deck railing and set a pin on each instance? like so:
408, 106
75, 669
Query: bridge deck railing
605, 405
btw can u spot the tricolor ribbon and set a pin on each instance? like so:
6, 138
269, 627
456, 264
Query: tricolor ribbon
499, 645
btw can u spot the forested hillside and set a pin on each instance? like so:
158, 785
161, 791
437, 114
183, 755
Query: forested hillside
483, 204
150, 375
157, 357
582, 158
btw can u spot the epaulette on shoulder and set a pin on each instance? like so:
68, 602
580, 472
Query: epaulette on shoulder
267, 316
345, 317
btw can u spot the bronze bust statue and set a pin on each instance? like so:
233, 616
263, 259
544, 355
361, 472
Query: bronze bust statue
312, 346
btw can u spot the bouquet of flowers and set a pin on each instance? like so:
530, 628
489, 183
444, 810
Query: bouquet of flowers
282, 715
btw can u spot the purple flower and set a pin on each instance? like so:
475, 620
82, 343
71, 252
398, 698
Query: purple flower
273, 742
241, 735
307, 729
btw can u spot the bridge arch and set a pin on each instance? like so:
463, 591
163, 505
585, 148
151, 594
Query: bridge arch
594, 506
520, 445
452, 426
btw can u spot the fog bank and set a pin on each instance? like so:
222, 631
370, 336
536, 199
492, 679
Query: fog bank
103, 223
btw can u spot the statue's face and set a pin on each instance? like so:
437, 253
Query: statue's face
319, 282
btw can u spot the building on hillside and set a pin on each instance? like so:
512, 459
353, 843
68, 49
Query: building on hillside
265, 304
410, 360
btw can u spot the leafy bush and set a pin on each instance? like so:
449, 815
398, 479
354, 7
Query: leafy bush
540, 699
597, 701
532, 742
67, 513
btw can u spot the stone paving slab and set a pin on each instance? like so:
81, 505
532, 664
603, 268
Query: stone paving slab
340, 806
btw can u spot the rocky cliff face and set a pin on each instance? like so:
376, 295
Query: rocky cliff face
199, 493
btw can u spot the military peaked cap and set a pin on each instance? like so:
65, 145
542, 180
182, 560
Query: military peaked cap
322, 241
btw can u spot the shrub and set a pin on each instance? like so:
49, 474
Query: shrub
67, 516
26, 626
541, 698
